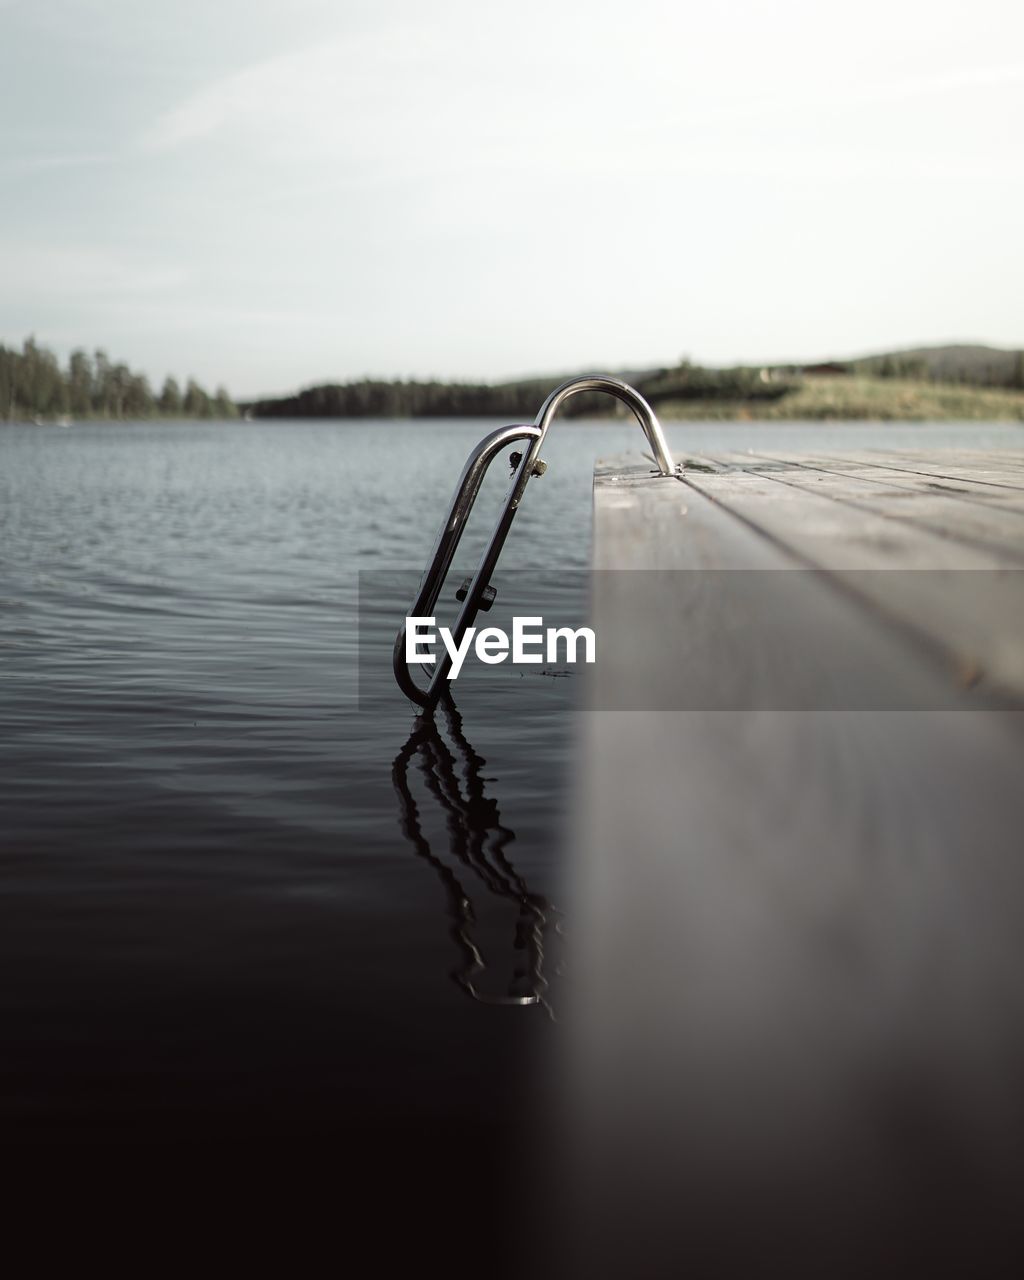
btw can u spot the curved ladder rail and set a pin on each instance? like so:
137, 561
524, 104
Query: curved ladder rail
462, 504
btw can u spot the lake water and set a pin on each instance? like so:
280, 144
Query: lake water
239, 904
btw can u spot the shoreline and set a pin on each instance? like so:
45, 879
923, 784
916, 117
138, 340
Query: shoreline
837, 398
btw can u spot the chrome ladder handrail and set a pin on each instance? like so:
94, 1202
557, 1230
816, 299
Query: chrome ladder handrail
462, 504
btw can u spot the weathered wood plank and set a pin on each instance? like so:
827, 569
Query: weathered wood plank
881, 471
990, 467
984, 457
910, 574
1000, 457
952, 465
998, 530
809, 519
761, 619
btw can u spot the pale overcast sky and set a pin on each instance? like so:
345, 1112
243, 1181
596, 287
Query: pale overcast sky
270, 193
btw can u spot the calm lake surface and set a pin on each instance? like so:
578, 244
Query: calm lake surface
240, 903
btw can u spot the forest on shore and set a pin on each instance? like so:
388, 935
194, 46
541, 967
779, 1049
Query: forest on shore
369, 398
34, 385
961, 382
954, 382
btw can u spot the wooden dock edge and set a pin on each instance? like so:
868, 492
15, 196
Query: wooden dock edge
797, 1020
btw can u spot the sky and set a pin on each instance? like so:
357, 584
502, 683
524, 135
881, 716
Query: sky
268, 194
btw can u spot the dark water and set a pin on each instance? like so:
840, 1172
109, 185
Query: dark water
241, 908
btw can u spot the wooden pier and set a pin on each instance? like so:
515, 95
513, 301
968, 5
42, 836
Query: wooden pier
799, 1013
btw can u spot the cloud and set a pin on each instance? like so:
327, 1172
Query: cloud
413, 99
419, 102
309, 96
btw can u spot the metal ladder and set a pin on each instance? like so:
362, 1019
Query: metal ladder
477, 592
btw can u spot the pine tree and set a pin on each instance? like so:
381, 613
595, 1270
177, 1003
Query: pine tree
170, 398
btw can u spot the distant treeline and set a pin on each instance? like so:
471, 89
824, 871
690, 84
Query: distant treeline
958, 366
973, 366
33, 385
378, 399
693, 382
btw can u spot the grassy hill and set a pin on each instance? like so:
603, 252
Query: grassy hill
957, 363
861, 397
